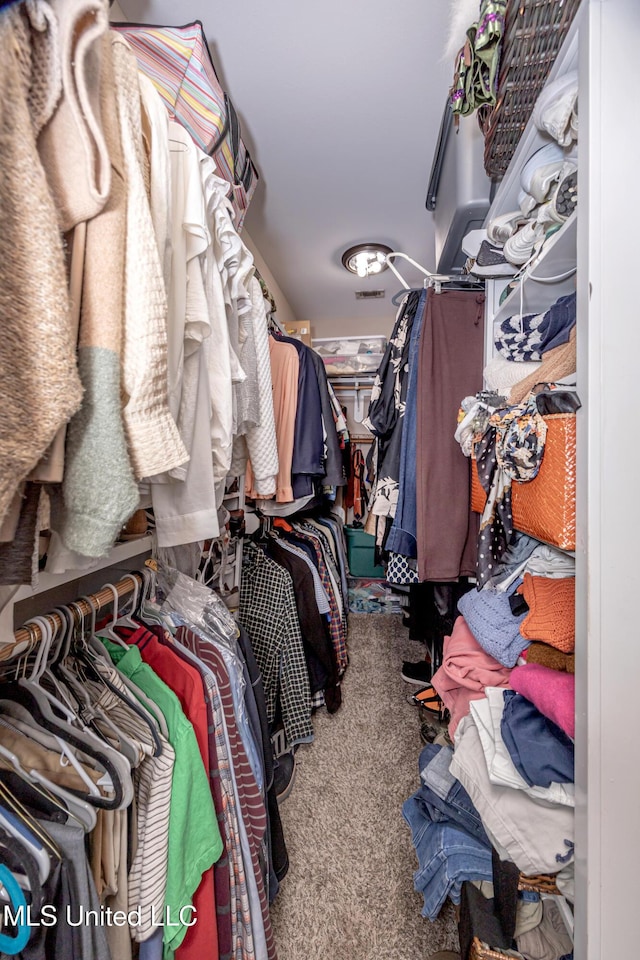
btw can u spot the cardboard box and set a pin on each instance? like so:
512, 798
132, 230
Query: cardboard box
299, 330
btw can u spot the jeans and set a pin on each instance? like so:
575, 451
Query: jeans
444, 796
447, 856
402, 536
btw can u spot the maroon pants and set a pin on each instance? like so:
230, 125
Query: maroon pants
451, 359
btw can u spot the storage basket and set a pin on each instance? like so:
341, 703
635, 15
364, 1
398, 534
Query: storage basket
534, 32
545, 507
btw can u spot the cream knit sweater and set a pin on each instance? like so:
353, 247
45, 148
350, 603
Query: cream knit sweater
38, 374
154, 442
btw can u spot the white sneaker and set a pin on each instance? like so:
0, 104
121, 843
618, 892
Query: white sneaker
501, 228
538, 175
520, 247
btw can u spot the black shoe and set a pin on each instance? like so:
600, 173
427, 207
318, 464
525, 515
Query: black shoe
284, 773
417, 673
428, 732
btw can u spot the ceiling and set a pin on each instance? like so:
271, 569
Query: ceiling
340, 105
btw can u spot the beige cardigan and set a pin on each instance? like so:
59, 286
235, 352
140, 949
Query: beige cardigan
40, 386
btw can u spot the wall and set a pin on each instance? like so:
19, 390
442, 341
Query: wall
284, 312
116, 14
355, 326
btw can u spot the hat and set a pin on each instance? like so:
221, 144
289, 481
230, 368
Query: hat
551, 616
489, 618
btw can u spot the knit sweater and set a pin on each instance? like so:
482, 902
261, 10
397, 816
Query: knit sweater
154, 442
41, 388
551, 616
72, 146
99, 489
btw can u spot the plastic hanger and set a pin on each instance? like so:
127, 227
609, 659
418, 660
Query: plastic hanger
14, 945
20, 831
85, 657
78, 808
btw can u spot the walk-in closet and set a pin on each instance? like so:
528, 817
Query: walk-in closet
317, 484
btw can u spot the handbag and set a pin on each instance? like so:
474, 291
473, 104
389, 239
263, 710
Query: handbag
545, 507
179, 62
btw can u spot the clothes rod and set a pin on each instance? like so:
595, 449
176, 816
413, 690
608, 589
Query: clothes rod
32, 635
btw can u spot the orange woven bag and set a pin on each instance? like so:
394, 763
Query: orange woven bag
545, 507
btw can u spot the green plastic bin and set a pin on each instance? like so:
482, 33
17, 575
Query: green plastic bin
360, 550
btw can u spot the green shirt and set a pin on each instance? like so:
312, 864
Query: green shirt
194, 837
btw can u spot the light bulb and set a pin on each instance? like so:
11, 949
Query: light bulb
375, 266
362, 264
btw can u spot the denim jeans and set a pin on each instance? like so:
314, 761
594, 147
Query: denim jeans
444, 796
402, 536
447, 856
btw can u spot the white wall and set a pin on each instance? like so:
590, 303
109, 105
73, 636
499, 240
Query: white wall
116, 14
284, 312
355, 326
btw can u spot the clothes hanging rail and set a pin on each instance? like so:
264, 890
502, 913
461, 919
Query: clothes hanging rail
26, 639
435, 280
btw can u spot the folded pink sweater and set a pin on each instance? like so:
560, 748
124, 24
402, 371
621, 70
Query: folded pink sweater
552, 692
466, 670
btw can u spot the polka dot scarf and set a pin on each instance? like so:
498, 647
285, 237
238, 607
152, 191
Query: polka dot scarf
510, 449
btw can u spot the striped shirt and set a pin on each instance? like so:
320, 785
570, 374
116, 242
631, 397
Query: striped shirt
252, 809
152, 782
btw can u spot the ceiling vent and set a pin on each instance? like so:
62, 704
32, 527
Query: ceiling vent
370, 294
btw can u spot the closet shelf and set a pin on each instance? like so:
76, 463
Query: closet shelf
119, 554
538, 292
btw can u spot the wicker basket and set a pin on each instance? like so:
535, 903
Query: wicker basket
545, 507
540, 884
534, 32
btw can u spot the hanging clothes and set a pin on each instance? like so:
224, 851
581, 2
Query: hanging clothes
447, 529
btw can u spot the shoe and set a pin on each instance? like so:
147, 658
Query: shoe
427, 699
565, 197
501, 228
519, 248
538, 175
284, 775
418, 673
445, 955
555, 111
491, 262
428, 732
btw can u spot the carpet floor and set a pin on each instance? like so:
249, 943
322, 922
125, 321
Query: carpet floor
349, 891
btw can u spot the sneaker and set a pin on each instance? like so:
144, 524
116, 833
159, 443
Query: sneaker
519, 248
284, 774
417, 673
538, 175
565, 198
428, 732
501, 228
491, 262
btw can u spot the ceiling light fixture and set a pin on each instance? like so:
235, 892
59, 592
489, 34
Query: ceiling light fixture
366, 259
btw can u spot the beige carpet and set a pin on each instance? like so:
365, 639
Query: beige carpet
349, 891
